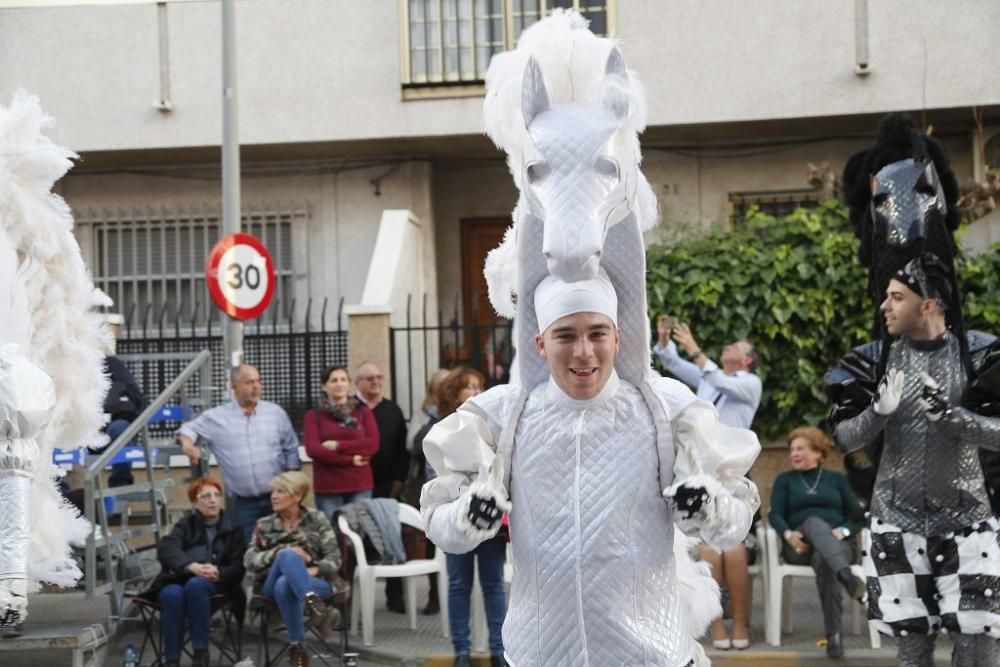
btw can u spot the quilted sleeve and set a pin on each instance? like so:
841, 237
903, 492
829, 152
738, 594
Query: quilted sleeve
716, 458
462, 452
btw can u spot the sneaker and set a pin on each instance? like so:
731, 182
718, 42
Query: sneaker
395, 605
322, 616
297, 655
497, 660
461, 661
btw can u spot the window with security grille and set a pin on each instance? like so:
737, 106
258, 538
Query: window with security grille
449, 42
152, 262
777, 203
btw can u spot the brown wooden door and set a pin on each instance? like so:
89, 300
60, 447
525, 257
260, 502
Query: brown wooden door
479, 237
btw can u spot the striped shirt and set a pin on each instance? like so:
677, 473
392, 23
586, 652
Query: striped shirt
250, 449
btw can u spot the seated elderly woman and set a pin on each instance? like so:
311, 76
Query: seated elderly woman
817, 515
295, 556
201, 557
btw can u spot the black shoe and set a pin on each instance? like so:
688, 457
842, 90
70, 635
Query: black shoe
200, 658
462, 661
856, 588
433, 607
172, 663
497, 661
395, 605
834, 645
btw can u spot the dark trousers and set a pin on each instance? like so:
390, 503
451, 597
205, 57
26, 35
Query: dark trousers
491, 555
827, 557
244, 512
192, 603
121, 473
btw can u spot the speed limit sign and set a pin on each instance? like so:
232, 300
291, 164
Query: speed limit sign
240, 276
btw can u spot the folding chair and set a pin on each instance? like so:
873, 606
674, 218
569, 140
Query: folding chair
229, 646
267, 610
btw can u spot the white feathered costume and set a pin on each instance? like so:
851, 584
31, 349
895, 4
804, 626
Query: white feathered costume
52, 384
600, 575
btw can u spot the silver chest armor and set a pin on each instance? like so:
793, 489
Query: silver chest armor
595, 580
930, 480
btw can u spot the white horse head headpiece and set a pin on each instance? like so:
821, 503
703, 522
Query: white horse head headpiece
567, 112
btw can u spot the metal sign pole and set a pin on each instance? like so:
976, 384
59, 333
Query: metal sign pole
232, 330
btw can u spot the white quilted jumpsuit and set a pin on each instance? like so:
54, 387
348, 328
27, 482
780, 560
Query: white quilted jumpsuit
594, 579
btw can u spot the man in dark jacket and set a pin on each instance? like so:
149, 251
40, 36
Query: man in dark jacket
123, 404
392, 461
202, 556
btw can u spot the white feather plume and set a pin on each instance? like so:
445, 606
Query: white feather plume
67, 337
699, 591
501, 275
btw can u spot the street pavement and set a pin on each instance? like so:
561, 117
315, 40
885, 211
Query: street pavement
396, 644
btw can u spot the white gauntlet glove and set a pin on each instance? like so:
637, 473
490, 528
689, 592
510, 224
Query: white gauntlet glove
706, 509
890, 391
481, 508
13, 602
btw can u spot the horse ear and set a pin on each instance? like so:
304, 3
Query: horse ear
613, 94
615, 66
534, 97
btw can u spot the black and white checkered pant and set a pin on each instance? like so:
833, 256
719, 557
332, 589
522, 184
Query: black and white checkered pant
919, 584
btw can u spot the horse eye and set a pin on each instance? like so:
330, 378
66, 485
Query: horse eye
537, 171
606, 167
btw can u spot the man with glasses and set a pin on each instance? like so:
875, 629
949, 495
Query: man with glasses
392, 461
253, 441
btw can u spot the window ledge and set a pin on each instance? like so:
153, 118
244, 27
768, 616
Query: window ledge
442, 91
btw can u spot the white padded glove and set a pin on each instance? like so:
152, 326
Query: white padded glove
706, 509
13, 601
890, 391
481, 508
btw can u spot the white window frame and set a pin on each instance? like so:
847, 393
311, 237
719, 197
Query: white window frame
467, 87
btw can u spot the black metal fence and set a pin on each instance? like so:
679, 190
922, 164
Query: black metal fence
287, 351
417, 350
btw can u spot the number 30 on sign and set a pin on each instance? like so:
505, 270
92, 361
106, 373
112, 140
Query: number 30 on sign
240, 276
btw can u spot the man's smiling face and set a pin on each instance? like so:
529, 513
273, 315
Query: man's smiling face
580, 350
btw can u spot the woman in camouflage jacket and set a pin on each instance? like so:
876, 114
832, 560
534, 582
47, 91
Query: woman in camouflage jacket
295, 557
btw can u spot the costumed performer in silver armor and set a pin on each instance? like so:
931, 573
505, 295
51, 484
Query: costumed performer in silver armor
920, 407
594, 455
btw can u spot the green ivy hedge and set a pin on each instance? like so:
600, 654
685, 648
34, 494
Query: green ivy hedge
794, 287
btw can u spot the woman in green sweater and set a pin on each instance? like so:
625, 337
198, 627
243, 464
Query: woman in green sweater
817, 516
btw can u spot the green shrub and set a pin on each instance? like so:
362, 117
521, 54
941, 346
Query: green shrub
794, 287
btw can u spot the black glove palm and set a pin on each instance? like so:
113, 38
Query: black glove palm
690, 500
484, 513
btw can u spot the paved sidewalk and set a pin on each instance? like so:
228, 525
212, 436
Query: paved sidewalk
395, 644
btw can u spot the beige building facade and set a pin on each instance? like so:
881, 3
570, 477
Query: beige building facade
349, 109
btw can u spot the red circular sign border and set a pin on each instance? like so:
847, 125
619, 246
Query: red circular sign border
212, 276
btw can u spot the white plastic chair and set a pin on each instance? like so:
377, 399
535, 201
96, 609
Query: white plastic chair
366, 576
778, 601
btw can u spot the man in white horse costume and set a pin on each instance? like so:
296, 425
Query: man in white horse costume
595, 456
52, 384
